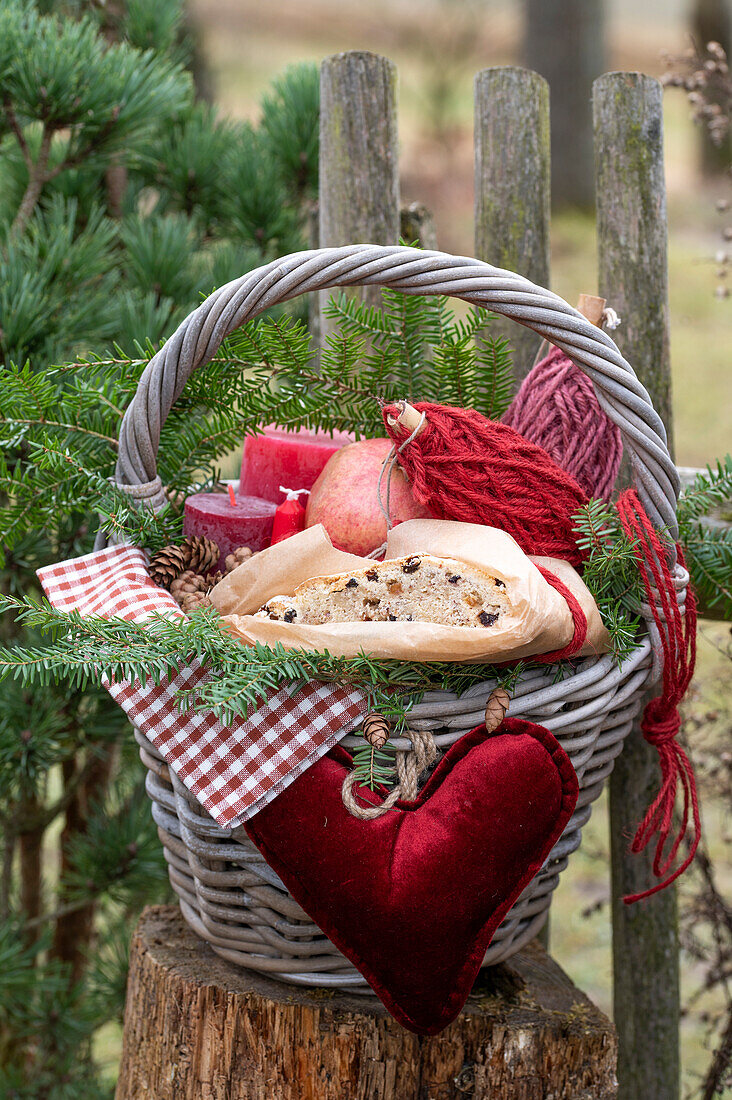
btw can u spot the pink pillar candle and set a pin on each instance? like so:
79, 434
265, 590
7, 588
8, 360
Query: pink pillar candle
248, 522
292, 459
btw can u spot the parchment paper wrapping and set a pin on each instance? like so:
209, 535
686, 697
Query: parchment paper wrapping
538, 620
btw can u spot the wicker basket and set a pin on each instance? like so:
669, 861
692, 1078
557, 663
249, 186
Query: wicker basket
227, 892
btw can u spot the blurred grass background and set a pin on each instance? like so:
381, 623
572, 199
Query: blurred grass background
247, 43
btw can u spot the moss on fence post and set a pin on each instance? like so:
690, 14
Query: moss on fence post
632, 244
512, 187
359, 160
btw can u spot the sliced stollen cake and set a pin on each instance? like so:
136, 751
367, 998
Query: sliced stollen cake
293, 579
417, 588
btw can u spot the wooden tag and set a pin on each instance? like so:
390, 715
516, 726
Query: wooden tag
592, 307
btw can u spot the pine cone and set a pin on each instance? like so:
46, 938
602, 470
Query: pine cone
194, 601
495, 708
199, 554
186, 583
376, 730
236, 558
213, 579
166, 565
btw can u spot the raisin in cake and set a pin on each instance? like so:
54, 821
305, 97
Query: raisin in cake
420, 587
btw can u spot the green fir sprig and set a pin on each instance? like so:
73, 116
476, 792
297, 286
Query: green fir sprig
611, 573
65, 421
374, 768
707, 543
61, 481
82, 650
414, 347
377, 767
611, 567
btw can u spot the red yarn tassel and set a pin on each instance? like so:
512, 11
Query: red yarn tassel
661, 721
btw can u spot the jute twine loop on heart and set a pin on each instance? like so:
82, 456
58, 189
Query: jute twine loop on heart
409, 765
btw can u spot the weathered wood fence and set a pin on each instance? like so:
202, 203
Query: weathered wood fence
359, 201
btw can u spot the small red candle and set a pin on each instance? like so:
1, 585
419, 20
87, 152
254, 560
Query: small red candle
246, 522
278, 457
290, 515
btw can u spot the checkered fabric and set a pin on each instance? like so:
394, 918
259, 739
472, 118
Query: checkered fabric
233, 770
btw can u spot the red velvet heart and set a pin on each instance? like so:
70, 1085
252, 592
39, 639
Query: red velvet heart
414, 897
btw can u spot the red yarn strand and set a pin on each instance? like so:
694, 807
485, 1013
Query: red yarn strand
579, 620
661, 721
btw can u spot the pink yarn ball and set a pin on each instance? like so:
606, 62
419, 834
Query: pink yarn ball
556, 407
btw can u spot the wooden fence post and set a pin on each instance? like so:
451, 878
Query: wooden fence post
632, 239
512, 188
359, 161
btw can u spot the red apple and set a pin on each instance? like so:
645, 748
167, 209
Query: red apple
345, 497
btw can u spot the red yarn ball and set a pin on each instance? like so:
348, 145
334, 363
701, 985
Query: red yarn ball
465, 467
557, 408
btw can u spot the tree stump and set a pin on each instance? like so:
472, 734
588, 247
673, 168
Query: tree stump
198, 1028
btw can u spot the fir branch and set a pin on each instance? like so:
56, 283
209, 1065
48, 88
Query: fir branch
62, 482
374, 767
83, 649
611, 573
708, 491
415, 348
708, 553
72, 429
37, 178
72, 415
707, 544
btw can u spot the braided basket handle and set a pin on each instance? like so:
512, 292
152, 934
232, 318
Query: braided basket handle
410, 271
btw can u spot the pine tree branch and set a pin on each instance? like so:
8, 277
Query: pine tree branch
62, 911
73, 931
38, 178
6, 877
46, 815
30, 843
85, 151
17, 130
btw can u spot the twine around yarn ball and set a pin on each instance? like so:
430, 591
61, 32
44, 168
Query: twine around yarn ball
557, 408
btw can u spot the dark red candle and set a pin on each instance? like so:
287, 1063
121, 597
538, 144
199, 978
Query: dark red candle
278, 457
248, 522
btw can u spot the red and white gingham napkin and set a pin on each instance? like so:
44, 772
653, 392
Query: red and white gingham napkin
233, 770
